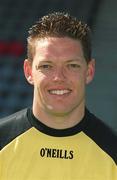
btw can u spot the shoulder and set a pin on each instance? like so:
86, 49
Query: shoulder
12, 126
102, 134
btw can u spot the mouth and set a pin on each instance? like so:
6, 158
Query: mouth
59, 92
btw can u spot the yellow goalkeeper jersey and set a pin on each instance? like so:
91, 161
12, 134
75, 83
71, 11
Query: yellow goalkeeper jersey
32, 151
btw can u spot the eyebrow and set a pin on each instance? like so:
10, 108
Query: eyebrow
71, 60
45, 61
79, 59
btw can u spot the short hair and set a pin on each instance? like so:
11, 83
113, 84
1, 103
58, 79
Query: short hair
60, 24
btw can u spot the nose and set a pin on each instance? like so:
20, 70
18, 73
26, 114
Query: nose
59, 74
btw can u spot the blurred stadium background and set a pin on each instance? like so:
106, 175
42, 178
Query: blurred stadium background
15, 19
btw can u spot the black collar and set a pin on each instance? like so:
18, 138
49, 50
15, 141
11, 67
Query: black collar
57, 132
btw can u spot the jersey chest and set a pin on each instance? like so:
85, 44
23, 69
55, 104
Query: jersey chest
34, 155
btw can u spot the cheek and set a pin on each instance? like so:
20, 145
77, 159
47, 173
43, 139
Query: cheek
41, 84
84, 77
79, 85
79, 79
38, 77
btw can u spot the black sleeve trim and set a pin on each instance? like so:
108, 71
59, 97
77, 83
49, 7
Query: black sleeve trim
12, 126
103, 135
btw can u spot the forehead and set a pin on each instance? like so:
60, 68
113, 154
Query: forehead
55, 47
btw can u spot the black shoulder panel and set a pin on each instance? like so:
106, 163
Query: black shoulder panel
12, 126
103, 135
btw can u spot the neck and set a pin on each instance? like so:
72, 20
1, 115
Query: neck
59, 121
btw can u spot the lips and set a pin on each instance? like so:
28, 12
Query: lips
59, 92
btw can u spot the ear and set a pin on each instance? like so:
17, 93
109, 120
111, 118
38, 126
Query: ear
90, 71
28, 71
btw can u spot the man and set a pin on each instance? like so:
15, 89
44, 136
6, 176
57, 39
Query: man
58, 138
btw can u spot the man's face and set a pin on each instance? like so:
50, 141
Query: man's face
59, 74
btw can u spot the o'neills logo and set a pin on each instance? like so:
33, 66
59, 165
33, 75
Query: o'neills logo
56, 153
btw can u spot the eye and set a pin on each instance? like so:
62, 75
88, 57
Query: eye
73, 66
46, 66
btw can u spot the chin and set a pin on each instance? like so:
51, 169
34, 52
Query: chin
58, 112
